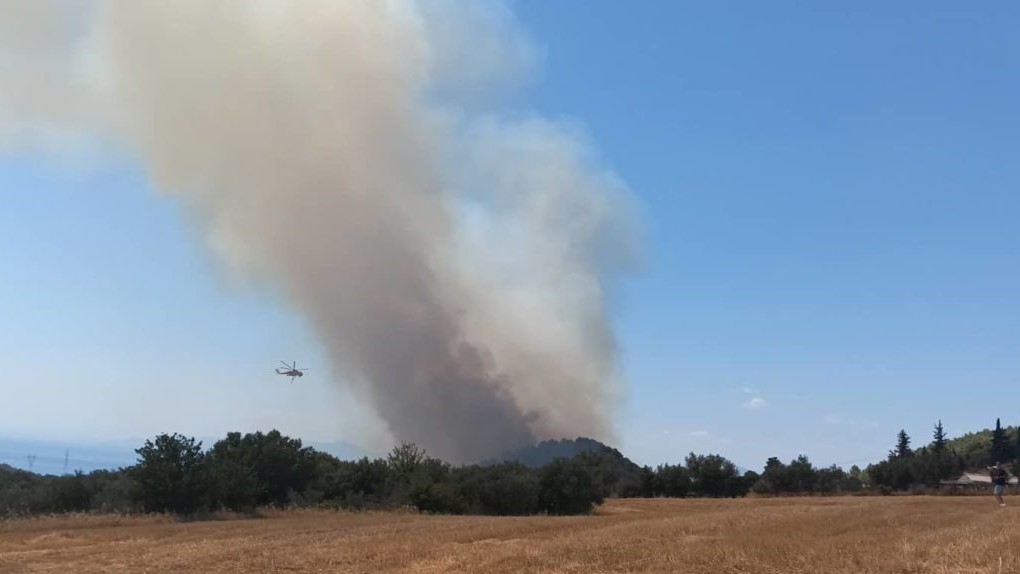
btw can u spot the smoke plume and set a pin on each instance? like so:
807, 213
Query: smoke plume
455, 256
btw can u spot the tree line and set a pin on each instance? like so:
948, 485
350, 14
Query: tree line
908, 469
243, 473
903, 469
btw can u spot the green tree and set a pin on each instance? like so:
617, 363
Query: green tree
673, 480
830, 480
938, 444
748, 481
568, 487
507, 489
902, 446
773, 479
356, 484
859, 474
801, 475
900, 470
112, 491
713, 476
606, 468
259, 469
648, 483
170, 475
406, 458
283, 466
999, 450
1016, 447
70, 493
943, 463
431, 488
423, 482
233, 471
903, 474
925, 465
855, 480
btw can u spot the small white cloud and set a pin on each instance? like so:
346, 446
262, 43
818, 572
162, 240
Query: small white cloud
832, 420
757, 403
747, 390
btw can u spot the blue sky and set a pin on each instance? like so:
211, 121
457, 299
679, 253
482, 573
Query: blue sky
830, 199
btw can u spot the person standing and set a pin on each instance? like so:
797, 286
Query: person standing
999, 478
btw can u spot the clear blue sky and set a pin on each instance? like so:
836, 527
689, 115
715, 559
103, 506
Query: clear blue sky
831, 198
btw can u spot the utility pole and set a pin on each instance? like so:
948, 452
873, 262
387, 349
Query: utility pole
66, 453
31, 462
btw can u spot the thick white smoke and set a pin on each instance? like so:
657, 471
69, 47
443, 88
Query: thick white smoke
454, 260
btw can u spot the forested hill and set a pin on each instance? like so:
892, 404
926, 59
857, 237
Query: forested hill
973, 446
547, 451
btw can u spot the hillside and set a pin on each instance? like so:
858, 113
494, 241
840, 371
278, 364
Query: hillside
621, 472
547, 451
974, 445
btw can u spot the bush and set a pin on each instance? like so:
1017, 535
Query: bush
568, 487
112, 491
508, 489
170, 475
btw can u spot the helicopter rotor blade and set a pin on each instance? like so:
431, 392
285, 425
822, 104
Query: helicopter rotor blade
285, 364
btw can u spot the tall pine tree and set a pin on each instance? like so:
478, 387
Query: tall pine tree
999, 452
902, 445
938, 446
1016, 446
943, 459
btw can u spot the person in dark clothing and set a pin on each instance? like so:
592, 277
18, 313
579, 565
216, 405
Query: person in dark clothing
999, 478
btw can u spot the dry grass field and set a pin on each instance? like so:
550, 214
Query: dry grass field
897, 534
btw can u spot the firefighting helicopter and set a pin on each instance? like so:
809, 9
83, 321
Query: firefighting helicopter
291, 371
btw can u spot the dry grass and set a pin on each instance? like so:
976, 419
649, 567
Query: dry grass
858, 535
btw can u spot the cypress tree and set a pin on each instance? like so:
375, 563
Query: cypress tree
939, 444
999, 452
943, 459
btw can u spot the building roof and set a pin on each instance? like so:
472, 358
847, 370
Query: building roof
976, 478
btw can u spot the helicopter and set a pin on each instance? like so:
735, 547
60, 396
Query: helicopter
291, 371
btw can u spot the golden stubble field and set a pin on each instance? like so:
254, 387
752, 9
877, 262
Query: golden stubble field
816, 535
